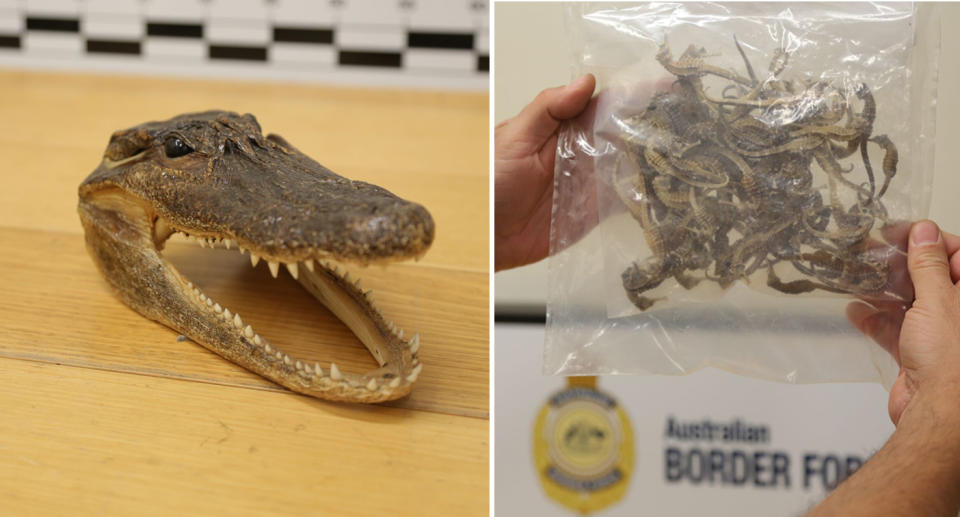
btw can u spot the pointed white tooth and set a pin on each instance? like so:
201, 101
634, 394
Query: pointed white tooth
395, 382
248, 332
209, 302
274, 267
189, 285
415, 344
228, 243
335, 372
241, 248
203, 297
256, 340
217, 308
237, 322
316, 368
400, 334
286, 359
227, 315
414, 373
254, 259
346, 276
309, 264
299, 365
372, 385
266, 347
196, 292
359, 287
279, 354
292, 268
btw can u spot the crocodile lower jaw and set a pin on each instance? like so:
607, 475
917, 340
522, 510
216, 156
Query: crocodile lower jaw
395, 352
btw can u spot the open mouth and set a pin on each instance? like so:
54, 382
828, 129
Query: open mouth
215, 178
394, 350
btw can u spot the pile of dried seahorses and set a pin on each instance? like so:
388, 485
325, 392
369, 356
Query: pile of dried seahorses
726, 186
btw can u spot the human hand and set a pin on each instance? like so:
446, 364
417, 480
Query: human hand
524, 154
925, 339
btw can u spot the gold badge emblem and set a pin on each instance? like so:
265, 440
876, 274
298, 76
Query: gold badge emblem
583, 447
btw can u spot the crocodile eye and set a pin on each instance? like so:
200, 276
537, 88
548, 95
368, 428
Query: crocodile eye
175, 147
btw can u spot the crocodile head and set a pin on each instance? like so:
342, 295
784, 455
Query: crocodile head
214, 177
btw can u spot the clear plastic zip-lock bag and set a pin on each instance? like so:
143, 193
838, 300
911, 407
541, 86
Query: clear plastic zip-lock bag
745, 173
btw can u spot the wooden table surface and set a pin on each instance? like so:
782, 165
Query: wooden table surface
105, 413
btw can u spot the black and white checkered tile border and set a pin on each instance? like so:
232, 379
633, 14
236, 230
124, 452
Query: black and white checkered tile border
315, 40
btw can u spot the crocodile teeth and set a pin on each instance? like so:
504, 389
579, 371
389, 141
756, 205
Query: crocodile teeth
346, 276
299, 365
395, 382
254, 259
400, 334
266, 347
372, 385
415, 343
359, 288
242, 249
309, 264
227, 315
414, 373
257, 341
189, 285
274, 267
218, 308
286, 359
279, 354
316, 368
209, 302
237, 322
248, 332
228, 243
335, 372
292, 268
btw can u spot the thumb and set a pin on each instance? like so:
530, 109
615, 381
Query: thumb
927, 262
541, 118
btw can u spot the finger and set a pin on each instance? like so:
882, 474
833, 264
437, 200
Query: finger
951, 241
896, 233
882, 327
541, 118
955, 269
927, 263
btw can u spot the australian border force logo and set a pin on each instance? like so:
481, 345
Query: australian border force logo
583, 447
